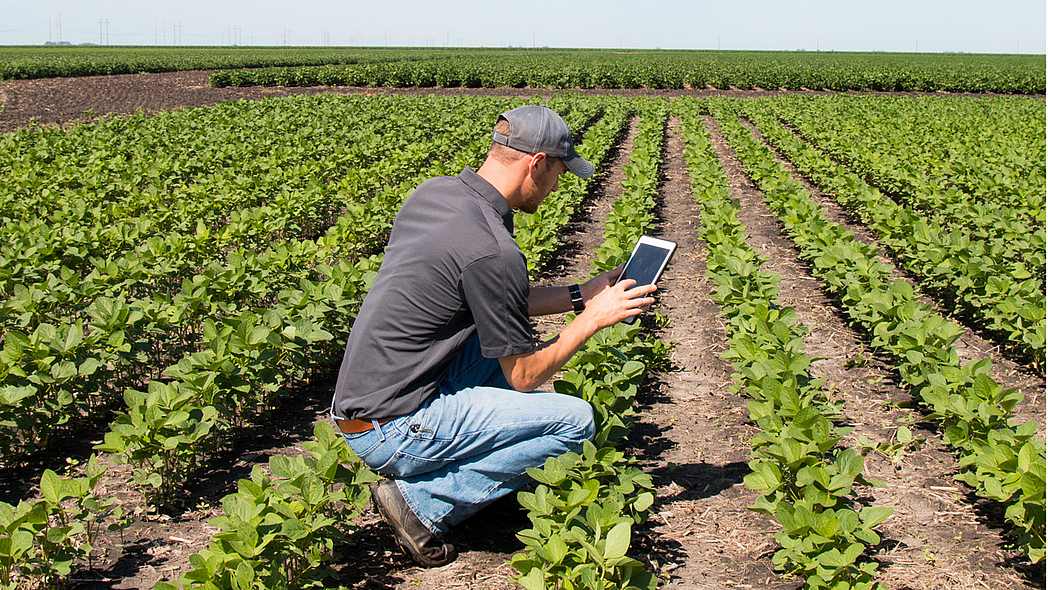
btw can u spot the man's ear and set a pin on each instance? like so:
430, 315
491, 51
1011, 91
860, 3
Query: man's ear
536, 160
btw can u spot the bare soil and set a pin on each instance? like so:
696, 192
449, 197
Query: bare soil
692, 432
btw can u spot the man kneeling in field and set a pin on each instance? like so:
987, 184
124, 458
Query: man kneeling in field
436, 385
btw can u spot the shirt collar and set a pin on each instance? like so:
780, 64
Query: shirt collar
489, 193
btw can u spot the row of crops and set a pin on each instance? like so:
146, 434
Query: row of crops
63, 61
174, 275
809, 484
675, 70
547, 68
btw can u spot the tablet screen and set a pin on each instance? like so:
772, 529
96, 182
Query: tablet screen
645, 264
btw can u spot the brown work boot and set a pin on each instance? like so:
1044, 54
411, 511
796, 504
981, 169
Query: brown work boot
412, 536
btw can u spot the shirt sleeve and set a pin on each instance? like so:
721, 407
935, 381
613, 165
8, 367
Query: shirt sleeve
496, 290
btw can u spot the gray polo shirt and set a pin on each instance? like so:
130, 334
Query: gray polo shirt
451, 269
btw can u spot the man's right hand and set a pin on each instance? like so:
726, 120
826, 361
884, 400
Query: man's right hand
617, 302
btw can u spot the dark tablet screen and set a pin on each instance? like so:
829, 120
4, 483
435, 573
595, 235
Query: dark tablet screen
645, 264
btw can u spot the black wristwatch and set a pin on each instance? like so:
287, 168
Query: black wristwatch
576, 298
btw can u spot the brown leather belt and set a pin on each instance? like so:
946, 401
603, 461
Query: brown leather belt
357, 426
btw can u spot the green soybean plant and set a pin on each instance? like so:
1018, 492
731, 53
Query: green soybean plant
44, 539
283, 527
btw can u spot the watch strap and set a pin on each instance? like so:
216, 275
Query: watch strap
576, 298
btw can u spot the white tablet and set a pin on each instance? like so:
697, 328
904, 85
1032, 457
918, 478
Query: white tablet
647, 261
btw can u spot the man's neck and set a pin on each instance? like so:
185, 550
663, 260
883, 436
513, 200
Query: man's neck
507, 180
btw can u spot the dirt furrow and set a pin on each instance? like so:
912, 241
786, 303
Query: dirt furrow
692, 433
936, 538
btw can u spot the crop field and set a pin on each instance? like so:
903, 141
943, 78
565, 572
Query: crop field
544, 68
842, 384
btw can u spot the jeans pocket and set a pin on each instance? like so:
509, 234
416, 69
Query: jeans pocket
364, 445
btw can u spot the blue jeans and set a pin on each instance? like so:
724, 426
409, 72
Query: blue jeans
470, 443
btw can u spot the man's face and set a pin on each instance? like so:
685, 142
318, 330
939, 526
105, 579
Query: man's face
544, 182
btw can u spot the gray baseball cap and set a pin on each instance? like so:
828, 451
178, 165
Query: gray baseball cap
536, 128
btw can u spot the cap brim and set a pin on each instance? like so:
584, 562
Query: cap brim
578, 166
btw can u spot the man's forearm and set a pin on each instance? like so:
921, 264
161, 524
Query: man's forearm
548, 300
525, 372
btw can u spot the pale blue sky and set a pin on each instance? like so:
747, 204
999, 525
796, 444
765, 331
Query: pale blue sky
998, 26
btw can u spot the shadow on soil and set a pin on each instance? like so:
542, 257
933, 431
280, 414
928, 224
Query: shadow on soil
698, 480
133, 557
992, 514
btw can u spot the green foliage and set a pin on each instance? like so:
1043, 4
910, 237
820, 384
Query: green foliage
201, 261
244, 325
49, 62
203, 253
632, 214
581, 518
670, 69
42, 540
584, 498
284, 528
973, 234
583, 510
